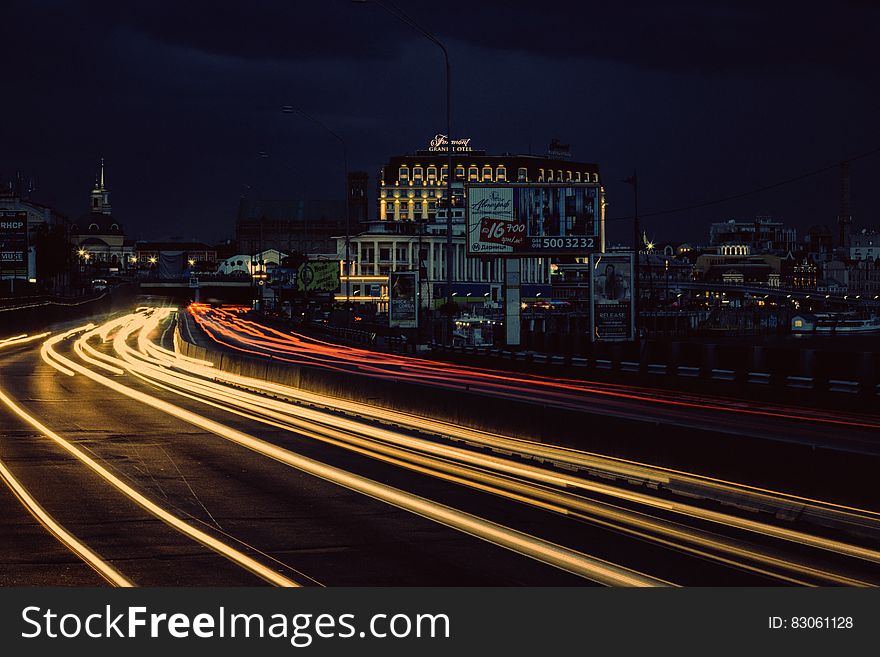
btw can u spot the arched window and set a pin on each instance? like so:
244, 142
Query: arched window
93, 226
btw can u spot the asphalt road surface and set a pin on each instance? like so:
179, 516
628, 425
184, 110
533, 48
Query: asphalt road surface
126, 463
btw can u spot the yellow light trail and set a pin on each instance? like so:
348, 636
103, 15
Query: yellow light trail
541, 451
409, 451
586, 566
80, 549
182, 526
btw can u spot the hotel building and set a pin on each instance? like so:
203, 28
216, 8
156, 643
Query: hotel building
410, 230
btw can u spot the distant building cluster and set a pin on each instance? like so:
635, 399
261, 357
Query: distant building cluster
407, 232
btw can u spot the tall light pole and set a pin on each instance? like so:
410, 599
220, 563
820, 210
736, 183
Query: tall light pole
637, 239
400, 15
346, 263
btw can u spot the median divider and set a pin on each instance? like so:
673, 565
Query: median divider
639, 437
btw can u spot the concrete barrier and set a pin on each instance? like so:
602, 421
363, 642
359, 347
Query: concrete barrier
800, 382
840, 385
723, 375
762, 378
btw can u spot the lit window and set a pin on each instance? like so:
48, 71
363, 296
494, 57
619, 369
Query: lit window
459, 171
432, 173
403, 174
522, 174
417, 174
473, 174
577, 176
487, 173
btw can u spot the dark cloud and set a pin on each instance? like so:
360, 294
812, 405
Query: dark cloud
705, 99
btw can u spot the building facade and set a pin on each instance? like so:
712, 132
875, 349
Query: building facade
764, 234
410, 232
98, 237
22, 225
864, 245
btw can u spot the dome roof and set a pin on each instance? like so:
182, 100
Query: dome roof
93, 241
98, 223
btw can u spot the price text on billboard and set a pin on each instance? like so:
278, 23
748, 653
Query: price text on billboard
521, 219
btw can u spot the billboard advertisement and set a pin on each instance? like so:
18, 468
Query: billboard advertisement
13, 244
318, 276
612, 311
403, 304
525, 219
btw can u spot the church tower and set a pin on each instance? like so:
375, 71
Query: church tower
100, 194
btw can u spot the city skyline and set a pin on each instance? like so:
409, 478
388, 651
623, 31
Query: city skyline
705, 102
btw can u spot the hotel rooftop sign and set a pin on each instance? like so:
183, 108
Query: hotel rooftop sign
440, 143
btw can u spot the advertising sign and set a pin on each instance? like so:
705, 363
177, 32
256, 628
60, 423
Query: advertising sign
318, 276
403, 299
440, 143
13, 244
524, 219
612, 311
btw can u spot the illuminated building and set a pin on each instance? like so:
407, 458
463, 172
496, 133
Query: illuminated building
410, 229
21, 222
97, 236
764, 234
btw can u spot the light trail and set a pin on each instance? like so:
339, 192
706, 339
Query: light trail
66, 538
592, 462
262, 340
24, 338
234, 555
468, 468
578, 563
29, 502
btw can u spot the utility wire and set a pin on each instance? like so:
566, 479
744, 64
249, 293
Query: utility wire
757, 190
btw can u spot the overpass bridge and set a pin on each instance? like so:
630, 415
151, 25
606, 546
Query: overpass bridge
207, 288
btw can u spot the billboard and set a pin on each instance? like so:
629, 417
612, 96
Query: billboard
13, 244
532, 219
612, 311
318, 276
403, 304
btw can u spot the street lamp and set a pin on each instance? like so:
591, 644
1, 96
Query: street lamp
637, 238
400, 15
346, 263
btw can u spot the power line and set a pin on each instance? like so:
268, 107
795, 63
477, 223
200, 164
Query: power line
757, 190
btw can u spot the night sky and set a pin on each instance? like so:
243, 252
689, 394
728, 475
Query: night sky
704, 99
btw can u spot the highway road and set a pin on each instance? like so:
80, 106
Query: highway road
126, 462
815, 427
